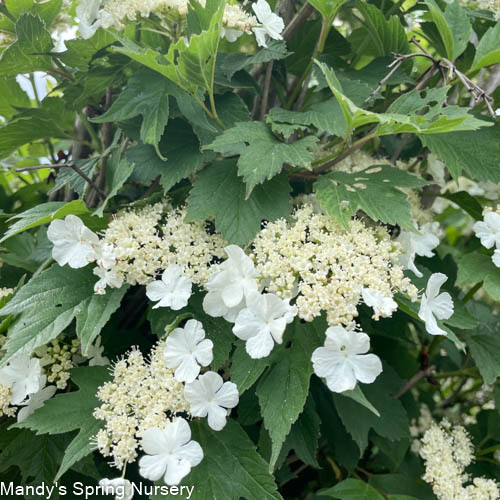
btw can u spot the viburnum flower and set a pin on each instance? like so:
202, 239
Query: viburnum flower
382, 305
435, 305
23, 376
108, 277
420, 244
488, 230
105, 255
186, 349
35, 401
94, 354
74, 243
170, 452
120, 487
172, 291
272, 24
343, 359
262, 322
228, 286
210, 395
91, 18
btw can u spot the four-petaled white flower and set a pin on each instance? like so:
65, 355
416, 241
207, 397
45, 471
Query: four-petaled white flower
186, 349
421, 244
170, 452
210, 395
94, 354
488, 230
74, 243
230, 284
23, 376
108, 277
343, 359
120, 487
382, 305
173, 290
35, 401
272, 24
262, 322
435, 305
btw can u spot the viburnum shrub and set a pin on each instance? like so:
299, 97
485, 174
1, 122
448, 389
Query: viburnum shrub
250, 250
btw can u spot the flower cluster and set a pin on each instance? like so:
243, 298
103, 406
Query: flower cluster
326, 266
447, 451
488, 231
491, 5
95, 14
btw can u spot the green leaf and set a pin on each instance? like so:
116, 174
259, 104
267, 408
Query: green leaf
117, 172
25, 55
262, 155
453, 25
244, 370
72, 411
357, 395
488, 49
352, 489
43, 214
283, 389
191, 66
12, 96
218, 191
49, 302
326, 116
146, 95
327, 8
373, 190
68, 177
476, 267
231, 468
385, 36
358, 420
401, 486
467, 202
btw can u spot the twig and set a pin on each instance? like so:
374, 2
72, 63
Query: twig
40, 167
297, 21
84, 176
265, 93
414, 380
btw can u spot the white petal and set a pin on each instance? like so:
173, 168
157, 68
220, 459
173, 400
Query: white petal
496, 257
227, 396
343, 380
213, 305
216, 417
154, 441
434, 284
442, 306
191, 451
176, 471
204, 352
367, 367
153, 467
260, 345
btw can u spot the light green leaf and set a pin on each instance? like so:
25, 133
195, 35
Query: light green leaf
453, 25
49, 302
146, 95
385, 36
327, 8
283, 389
357, 395
72, 411
475, 152
488, 48
476, 267
218, 191
231, 468
352, 489
11, 97
25, 55
373, 190
262, 155
43, 214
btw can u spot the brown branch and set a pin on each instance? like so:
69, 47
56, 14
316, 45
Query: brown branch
265, 92
40, 167
414, 380
298, 21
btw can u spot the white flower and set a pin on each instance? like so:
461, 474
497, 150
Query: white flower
172, 291
342, 361
210, 395
35, 401
186, 349
496, 257
120, 487
435, 305
272, 24
94, 354
231, 35
74, 243
418, 244
111, 278
488, 231
382, 306
262, 323
91, 18
230, 284
105, 255
23, 376
170, 452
